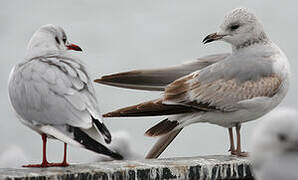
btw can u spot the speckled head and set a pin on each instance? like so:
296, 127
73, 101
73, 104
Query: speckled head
51, 37
240, 28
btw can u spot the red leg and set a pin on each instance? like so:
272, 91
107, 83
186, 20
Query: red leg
65, 153
44, 149
64, 162
44, 163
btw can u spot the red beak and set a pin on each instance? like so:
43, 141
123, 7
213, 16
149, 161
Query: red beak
74, 47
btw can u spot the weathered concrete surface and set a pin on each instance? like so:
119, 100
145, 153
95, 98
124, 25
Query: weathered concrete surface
204, 167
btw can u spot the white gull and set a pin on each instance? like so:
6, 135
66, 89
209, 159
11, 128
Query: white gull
51, 93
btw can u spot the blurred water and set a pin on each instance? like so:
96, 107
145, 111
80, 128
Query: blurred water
128, 34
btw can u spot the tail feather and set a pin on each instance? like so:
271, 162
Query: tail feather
103, 130
91, 144
162, 143
150, 108
162, 128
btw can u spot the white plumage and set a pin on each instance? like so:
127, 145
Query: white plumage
52, 93
222, 89
53, 83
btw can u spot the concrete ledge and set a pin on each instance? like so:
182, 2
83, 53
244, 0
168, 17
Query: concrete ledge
204, 167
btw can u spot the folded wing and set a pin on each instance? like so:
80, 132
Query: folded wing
55, 90
212, 89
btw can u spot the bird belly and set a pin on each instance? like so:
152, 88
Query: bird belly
248, 110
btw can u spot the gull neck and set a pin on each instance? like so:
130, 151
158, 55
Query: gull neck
261, 39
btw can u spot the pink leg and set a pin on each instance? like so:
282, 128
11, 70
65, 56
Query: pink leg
238, 151
231, 137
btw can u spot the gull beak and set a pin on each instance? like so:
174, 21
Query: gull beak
73, 47
212, 37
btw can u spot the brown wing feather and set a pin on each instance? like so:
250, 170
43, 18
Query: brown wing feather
150, 108
220, 94
162, 127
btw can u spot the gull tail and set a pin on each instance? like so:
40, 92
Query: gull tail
162, 143
149, 108
92, 145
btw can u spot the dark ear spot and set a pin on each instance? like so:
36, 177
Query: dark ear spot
282, 137
57, 40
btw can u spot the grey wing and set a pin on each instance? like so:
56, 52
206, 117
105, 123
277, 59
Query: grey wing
222, 85
157, 79
53, 91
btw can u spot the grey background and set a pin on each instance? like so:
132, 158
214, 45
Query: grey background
120, 35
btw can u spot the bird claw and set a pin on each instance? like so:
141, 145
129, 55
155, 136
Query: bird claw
231, 150
63, 164
239, 154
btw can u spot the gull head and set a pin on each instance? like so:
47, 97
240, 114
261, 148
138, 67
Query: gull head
276, 135
51, 37
240, 28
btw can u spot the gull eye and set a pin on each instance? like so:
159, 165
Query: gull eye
64, 40
282, 137
57, 40
234, 27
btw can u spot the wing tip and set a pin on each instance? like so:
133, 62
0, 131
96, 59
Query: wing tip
111, 114
91, 144
162, 128
110, 78
98, 80
106, 115
103, 130
117, 156
104, 79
